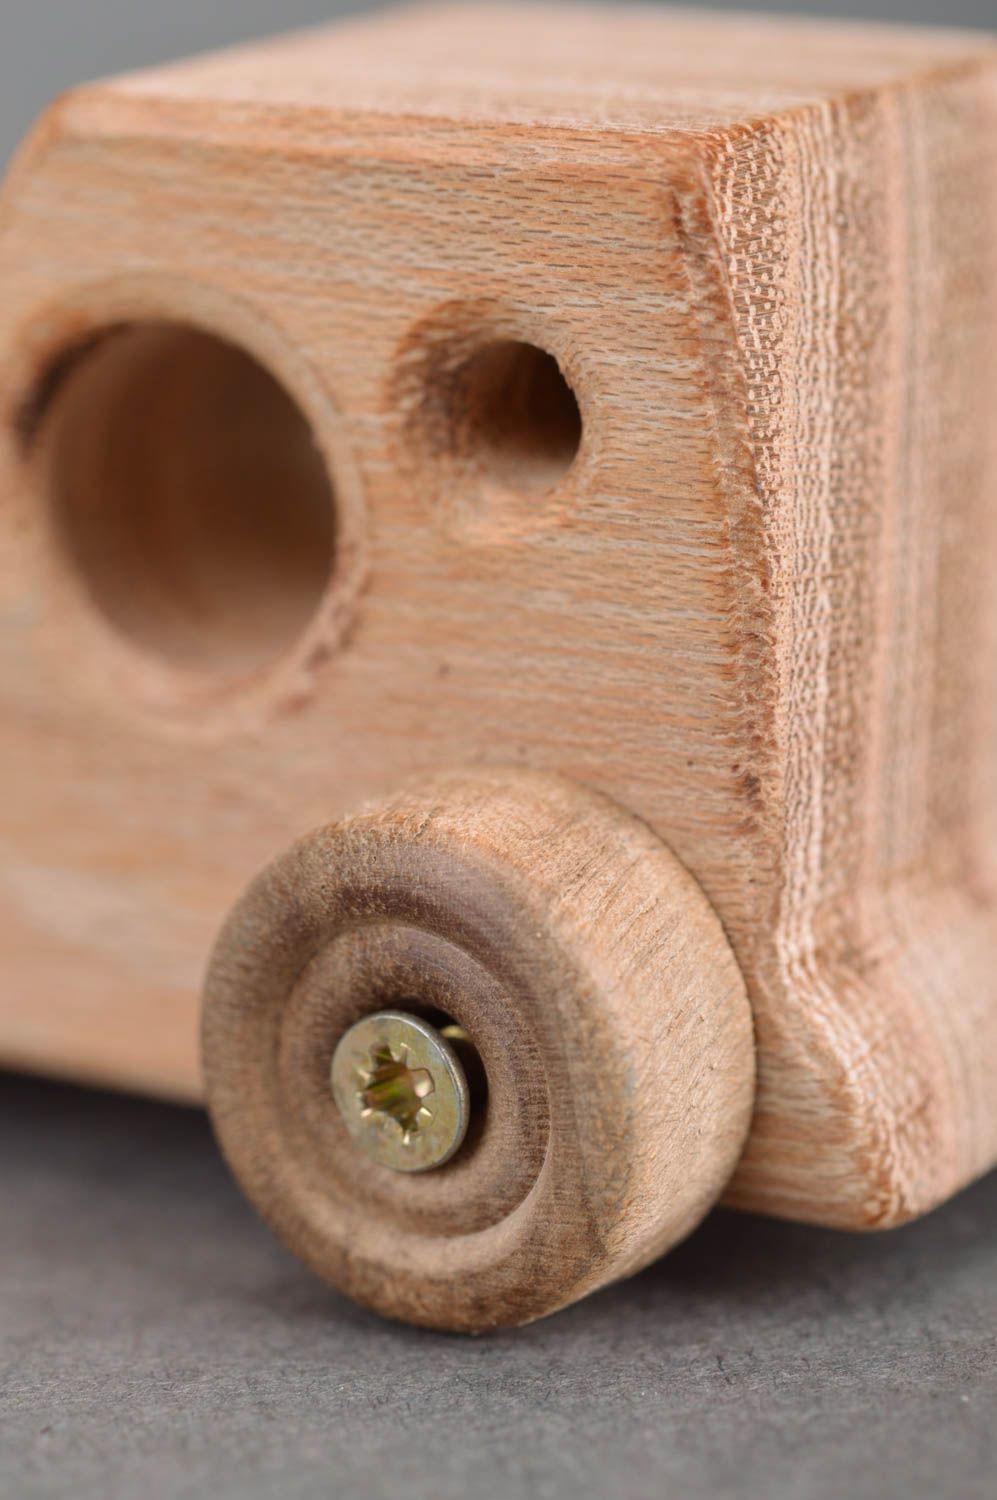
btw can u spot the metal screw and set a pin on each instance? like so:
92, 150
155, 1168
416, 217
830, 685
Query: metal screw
401, 1090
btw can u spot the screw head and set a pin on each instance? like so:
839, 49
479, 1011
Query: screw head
401, 1091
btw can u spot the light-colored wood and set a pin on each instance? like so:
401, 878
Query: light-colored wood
606, 1005
756, 606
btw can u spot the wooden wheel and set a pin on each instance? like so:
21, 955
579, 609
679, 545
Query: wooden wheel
604, 1021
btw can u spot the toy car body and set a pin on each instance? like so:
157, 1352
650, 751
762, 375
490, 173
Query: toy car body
608, 397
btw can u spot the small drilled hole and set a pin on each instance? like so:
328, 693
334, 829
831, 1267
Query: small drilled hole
517, 416
189, 496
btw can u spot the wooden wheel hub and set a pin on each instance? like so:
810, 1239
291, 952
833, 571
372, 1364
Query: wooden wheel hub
601, 996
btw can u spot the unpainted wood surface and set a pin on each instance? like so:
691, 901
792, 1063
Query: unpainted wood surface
756, 607
606, 1006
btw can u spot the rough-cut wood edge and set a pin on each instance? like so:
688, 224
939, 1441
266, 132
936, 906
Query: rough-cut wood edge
607, 1006
855, 325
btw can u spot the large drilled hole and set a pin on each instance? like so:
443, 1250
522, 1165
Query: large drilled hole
190, 497
514, 413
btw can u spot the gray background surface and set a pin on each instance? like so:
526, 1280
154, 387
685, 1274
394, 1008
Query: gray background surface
155, 1340
159, 1342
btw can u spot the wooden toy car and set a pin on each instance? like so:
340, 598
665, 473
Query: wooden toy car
567, 436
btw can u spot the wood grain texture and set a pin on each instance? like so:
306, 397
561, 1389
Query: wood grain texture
756, 607
606, 1006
